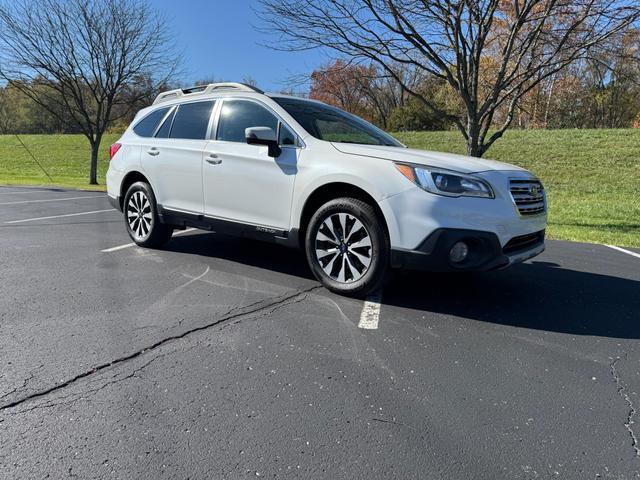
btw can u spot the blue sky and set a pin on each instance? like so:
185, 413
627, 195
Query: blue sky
219, 40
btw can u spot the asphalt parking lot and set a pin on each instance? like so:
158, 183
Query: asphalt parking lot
223, 358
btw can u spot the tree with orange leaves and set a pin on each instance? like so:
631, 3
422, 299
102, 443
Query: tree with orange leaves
344, 86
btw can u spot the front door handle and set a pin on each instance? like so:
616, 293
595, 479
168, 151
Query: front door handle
153, 151
213, 159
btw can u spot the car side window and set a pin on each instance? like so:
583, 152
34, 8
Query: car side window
165, 128
148, 124
238, 115
286, 137
191, 121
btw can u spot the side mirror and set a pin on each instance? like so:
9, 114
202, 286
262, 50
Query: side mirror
263, 136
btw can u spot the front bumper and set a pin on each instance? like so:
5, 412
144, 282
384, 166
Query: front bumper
485, 251
414, 214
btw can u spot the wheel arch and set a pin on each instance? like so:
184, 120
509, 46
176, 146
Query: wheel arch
128, 180
330, 191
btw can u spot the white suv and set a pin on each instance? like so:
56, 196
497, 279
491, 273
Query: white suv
230, 158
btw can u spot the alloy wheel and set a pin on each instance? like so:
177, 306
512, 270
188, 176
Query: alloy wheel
343, 247
139, 215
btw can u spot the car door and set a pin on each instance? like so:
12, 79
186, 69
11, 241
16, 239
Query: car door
242, 182
173, 160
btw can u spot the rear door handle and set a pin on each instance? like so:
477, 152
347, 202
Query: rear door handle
153, 151
213, 159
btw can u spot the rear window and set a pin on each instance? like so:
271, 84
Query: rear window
148, 124
191, 121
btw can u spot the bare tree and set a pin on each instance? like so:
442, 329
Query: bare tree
385, 93
364, 90
77, 58
5, 111
491, 52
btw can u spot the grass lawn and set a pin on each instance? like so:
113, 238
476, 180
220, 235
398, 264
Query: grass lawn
65, 157
592, 176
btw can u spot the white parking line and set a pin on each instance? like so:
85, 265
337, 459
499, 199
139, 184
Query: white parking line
127, 245
371, 312
52, 200
61, 216
628, 252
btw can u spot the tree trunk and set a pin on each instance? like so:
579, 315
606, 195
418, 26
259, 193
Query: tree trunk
474, 148
93, 174
548, 106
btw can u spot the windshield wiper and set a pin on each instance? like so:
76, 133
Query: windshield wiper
356, 143
365, 143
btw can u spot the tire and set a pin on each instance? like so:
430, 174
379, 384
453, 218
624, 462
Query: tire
141, 217
355, 267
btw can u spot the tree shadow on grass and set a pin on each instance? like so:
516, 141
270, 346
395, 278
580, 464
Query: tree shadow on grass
615, 227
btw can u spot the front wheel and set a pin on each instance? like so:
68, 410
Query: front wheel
141, 216
347, 247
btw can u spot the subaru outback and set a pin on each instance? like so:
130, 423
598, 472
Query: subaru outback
230, 158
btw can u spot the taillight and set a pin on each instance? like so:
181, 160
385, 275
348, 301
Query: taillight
113, 149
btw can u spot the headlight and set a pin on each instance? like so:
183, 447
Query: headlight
445, 182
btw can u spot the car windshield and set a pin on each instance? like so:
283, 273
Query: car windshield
334, 125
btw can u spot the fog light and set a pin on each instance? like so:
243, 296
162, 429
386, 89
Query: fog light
459, 252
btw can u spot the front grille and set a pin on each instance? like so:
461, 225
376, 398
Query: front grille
528, 196
524, 242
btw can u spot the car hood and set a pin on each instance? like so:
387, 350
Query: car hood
459, 163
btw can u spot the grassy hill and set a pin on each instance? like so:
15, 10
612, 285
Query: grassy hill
592, 176
65, 157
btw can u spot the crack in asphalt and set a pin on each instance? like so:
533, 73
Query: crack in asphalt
84, 394
400, 424
265, 306
393, 422
632, 410
25, 382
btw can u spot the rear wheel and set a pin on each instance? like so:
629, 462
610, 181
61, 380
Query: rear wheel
141, 217
347, 247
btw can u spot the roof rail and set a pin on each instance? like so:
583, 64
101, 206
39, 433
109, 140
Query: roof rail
204, 89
